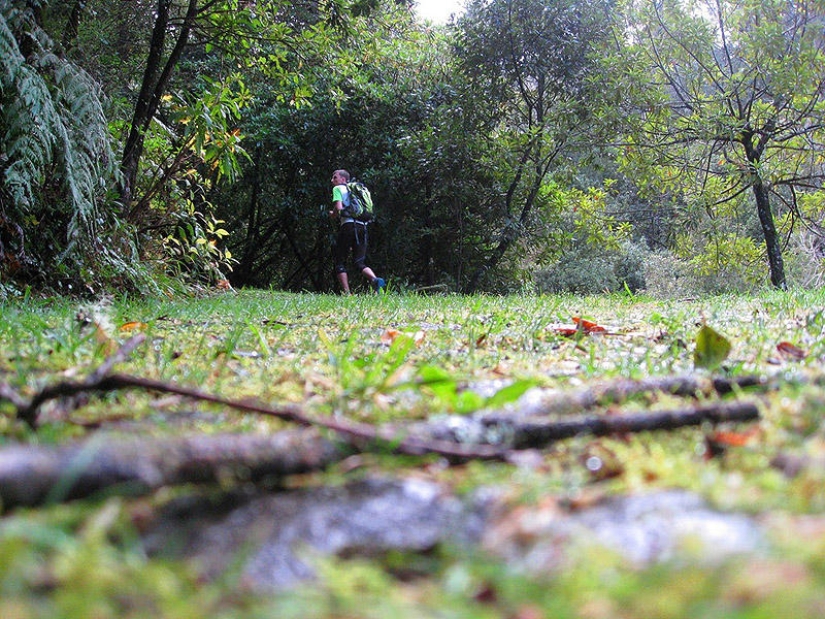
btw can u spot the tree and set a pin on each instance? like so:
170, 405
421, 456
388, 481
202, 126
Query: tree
728, 98
374, 90
531, 65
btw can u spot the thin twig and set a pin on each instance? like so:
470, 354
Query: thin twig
28, 411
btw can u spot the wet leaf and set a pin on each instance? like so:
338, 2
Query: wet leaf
390, 335
733, 439
580, 327
567, 331
712, 348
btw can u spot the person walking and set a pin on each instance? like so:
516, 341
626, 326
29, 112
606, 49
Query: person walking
352, 236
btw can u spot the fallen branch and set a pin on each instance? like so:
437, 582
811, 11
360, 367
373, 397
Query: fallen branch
33, 475
538, 434
27, 411
622, 389
520, 432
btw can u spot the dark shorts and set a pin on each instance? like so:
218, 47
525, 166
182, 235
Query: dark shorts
351, 237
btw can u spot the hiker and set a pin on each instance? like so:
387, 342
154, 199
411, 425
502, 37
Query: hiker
352, 235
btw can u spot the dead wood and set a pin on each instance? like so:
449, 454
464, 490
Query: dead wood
72, 392
538, 434
617, 391
33, 475
513, 431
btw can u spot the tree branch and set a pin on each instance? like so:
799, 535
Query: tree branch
33, 475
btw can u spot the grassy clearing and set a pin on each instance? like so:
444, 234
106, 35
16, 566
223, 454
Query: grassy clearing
335, 355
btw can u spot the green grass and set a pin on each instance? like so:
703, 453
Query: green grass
336, 355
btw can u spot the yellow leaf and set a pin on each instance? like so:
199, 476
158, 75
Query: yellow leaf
711, 348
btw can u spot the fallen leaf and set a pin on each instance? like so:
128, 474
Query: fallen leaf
588, 326
580, 327
718, 442
134, 325
712, 348
566, 331
790, 351
734, 439
389, 335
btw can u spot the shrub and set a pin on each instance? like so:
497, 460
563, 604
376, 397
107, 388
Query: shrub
586, 270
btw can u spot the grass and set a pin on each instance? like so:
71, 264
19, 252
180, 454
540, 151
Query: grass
373, 358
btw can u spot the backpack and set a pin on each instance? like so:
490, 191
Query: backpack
358, 202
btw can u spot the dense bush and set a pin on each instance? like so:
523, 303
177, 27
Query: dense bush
588, 270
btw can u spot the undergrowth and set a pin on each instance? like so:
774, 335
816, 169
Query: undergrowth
380, 359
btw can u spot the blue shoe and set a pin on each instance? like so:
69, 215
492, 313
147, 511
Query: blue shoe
378, 284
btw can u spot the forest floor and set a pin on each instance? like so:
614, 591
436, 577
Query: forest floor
420, 456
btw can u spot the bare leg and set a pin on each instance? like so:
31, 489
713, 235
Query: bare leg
368, 273
344, 281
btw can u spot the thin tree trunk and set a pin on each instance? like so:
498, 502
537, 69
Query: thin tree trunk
155, 81
772, 245
73, 24
754, 150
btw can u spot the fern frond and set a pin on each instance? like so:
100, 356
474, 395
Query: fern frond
53, 131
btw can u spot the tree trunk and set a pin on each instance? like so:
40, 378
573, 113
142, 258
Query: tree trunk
772, 245
73, 24
155, 80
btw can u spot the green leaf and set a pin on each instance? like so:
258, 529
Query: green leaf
439, 382
711, 348
509, 394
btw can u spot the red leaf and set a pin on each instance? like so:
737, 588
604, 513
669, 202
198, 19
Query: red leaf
786, 349
588, 326
733, 439
566, 331
389, 335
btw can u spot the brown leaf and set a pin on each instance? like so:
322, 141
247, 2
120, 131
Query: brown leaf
389, 335
733, 439
588, 326
790, 351
566, 331
718, 442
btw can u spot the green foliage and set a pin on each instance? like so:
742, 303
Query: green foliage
587, 269
209, 124
194, 249
541, 78
588, 249
732, 261
685, 64
57, 161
